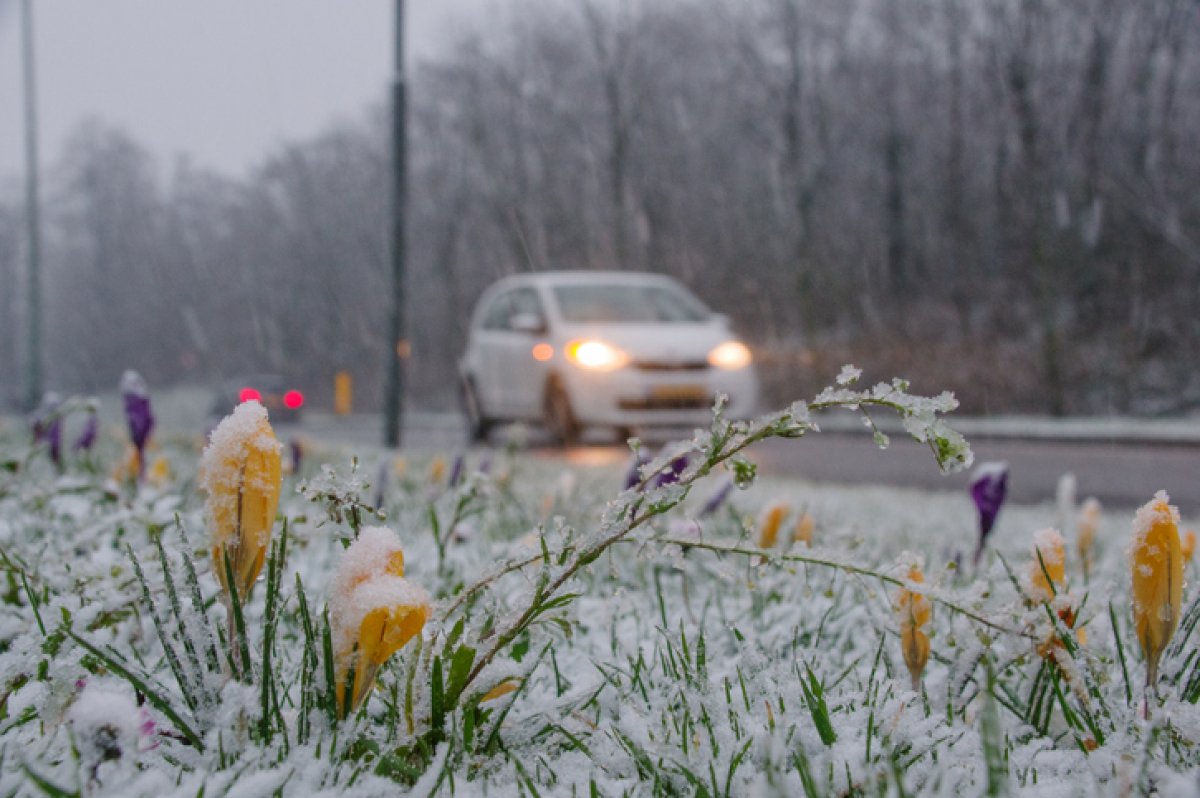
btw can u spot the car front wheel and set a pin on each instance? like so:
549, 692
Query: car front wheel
561, 423
478, 425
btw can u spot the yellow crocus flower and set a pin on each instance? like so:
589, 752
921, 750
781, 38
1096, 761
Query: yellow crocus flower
384, 631
127, 469
768, 526
803, 533
914, 612
437, 470
374, 612
1157, 568
1049, 560
1089, 520
241, 473
1187, 545
160, 472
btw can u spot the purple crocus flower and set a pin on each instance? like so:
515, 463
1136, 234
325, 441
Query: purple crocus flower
717, 499
633, 474
137, 412
670, 474
47, 425
297, 454
87, 436
989, 486
456, 470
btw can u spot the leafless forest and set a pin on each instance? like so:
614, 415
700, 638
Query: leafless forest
1001, 197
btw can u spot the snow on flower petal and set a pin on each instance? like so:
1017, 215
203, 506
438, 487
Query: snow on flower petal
1156, 566
914, 612
240, 470
374, 612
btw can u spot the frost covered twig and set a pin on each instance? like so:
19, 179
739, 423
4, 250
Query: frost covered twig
807, 559
722, 445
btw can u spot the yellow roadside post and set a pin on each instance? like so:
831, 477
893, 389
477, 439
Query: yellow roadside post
343, 393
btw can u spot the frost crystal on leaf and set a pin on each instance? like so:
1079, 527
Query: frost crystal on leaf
849, 375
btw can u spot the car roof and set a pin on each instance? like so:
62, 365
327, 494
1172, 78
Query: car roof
579, 277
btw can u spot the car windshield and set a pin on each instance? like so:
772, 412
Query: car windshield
628, 303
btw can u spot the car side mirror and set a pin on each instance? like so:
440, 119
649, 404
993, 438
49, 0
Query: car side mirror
527, 323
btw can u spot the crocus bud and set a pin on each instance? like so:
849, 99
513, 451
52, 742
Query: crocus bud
136, 397
717, 499
1064, 499
87, 435
47, 425
160, 472
670, 475
803, 533
633, 473
770, 523
240, 472
437, 470
39, 421
374, 612
989, 486
1157, 569
914, 612
297, 451
54, 430
1089, 520
1049, 560
456, 470
1187, 544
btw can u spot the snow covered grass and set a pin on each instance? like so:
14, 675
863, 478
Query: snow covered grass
582, 639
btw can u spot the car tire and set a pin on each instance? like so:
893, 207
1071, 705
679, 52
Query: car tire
560, 420
478, 424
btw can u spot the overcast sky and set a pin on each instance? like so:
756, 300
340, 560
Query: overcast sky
220, 80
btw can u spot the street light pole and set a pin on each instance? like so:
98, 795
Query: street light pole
398, 347
33, 337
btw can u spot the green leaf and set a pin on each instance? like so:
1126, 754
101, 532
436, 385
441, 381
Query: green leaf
437, 699
460, 668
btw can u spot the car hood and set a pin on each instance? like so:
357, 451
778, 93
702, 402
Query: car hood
670, 343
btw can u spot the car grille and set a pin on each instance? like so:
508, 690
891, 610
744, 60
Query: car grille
663, 365
666, 403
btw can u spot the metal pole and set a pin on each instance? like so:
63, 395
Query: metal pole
398, 349
33, 338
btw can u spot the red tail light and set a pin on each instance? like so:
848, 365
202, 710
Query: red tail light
249, 395
293, 400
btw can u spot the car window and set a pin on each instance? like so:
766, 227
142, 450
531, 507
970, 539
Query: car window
525, 302
630, 303
498, 312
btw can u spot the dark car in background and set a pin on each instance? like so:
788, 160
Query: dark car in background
283, 402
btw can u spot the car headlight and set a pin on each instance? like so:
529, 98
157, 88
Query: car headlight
730, 355
595, 355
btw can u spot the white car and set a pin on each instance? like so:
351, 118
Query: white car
618, 349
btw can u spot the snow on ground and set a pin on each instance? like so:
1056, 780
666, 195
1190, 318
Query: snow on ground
685, 660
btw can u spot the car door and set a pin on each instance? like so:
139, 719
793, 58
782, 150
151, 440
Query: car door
488, 343
524, 375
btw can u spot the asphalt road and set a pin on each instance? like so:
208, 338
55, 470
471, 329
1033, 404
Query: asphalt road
1120, 474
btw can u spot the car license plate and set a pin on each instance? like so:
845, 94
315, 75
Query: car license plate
677, 393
